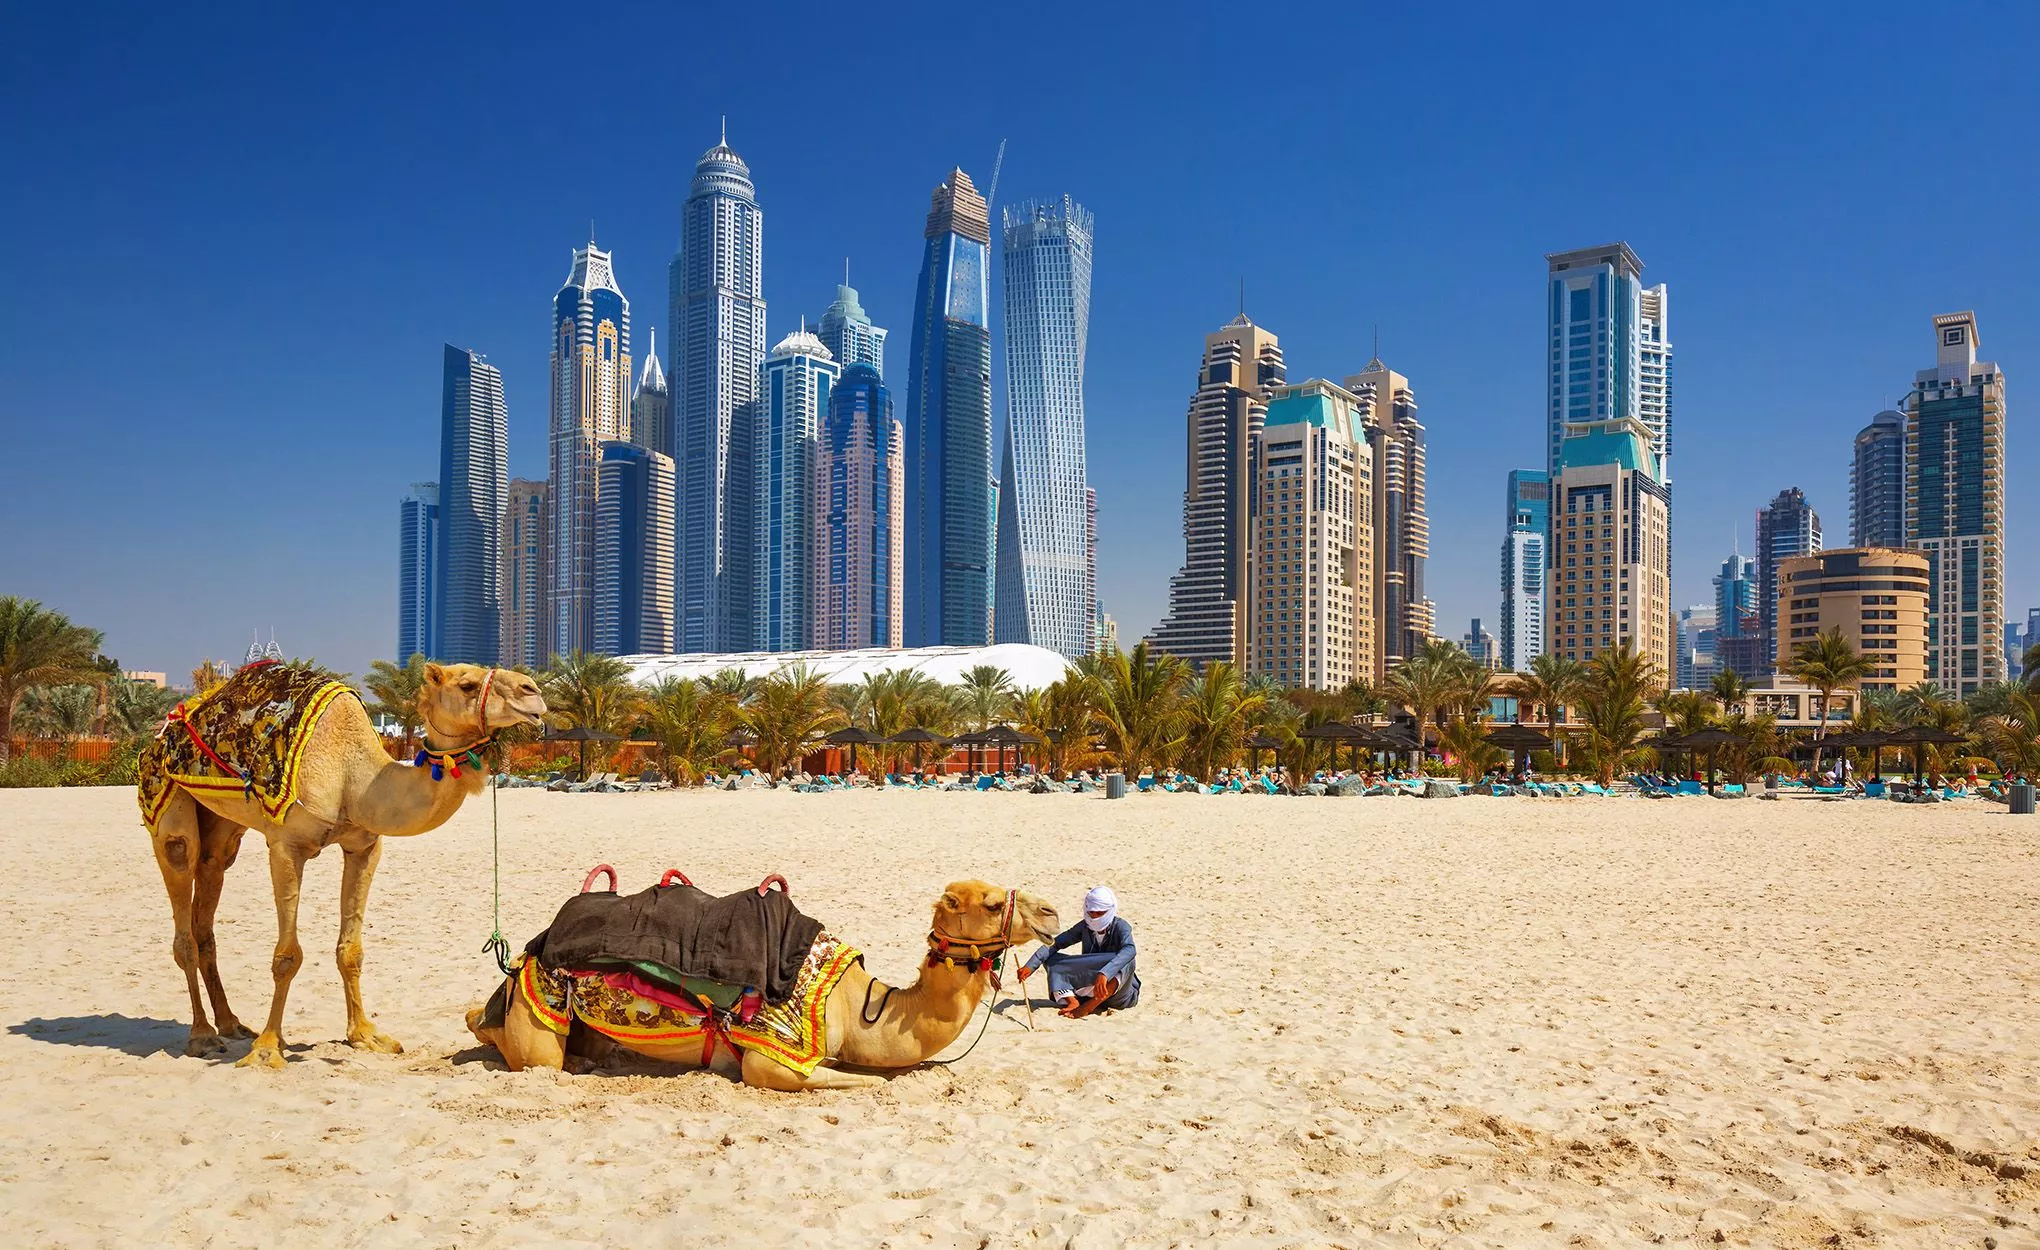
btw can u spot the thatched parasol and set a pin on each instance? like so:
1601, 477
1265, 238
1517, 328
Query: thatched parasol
583, 735
1919, 738
852, 736
1711, 739
1520, 741
917, 738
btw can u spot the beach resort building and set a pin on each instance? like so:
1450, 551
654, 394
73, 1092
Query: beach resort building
793, 394
633, 599
1207, 617
1312, 581
1044, 587
1523, 567
651, 403
1876, 597
526, 541
846, 330
1877, 483
591, 380
1788, 527
418, 571
1610, 581
1610, 351
949, 426
1404, 618
860, 518
474, 482
715, 288
1955, 504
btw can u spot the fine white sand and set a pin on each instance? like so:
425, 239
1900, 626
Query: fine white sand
1367, 1022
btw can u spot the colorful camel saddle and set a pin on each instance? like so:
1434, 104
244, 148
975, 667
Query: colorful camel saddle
630, 1009
245, 736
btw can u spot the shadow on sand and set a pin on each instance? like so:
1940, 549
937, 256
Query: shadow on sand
140, 1036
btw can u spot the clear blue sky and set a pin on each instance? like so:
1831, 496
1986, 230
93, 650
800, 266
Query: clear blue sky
239, 236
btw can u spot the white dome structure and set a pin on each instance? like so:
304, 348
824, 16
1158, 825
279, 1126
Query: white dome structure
1031, 667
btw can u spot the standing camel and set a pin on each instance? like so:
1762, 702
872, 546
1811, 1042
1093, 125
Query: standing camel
865, 1023
347, 792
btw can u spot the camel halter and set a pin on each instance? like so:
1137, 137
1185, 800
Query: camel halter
451, 758
985, 955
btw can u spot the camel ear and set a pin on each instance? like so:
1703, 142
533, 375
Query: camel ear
435, 675
950, 902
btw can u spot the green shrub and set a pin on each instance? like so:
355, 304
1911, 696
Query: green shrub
25, 771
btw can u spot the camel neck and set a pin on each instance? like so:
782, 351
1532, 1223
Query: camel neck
918, 1020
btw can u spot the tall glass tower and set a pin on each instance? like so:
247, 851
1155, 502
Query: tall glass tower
847, 332
1044, 576
633, 598
1788, 527
1610, 350
1877, 483
860, 518
651, 404
418, 572
590, 406
716, 285
1404, 615
949, 428
1528, 515
793, 395
474, 490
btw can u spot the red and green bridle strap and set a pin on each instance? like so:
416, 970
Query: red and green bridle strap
452, 758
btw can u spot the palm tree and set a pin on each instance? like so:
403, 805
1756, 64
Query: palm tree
1619, 683
1060, 715
1827, 663
1218, 713
731, 683
588, 691
1139, 706
1553, 683
1435, 678
1759, 740
1465, 736
2029, 667
208, 674
2013, 734
1687, 711
65, 713
134, 708
39, 647
692, 724
395, 693
790, 711
987, 695
1730, 690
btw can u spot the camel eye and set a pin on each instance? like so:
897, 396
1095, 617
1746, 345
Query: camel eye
470, 686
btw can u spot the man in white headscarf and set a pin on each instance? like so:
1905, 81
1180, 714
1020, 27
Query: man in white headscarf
1101, 974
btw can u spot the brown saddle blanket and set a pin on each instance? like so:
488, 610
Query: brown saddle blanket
746, 939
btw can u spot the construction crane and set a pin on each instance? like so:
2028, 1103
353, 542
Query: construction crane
992, 195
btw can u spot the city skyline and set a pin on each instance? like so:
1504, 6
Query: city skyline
1826, 233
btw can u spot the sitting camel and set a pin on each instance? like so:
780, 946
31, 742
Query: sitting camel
863, 1024
346, 791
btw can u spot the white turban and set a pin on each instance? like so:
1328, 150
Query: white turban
1101, 898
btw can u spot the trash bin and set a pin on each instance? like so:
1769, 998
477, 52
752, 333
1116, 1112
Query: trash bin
2022, 799
1115, 788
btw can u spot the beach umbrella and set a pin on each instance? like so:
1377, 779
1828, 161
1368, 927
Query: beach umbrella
583, 735
852, 736
1872, 740
1919, 738
1520, 741
917, 738
1258, 743
1336, 732
1711, 739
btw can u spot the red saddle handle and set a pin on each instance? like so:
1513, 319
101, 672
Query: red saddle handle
766, 884
595, 872
672, 875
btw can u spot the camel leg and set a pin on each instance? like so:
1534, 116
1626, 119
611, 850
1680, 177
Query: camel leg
176, 841
761, 1072
356, 872
522, 1041
220, 843
286, 875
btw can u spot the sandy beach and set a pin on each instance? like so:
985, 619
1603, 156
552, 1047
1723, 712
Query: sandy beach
1371, 1022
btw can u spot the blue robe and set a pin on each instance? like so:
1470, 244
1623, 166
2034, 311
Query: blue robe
1109, 953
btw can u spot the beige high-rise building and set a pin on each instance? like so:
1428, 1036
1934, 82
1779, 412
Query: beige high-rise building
527, 520
1312, 590
1207, 616
1402, 527
1610, 579
1876, 597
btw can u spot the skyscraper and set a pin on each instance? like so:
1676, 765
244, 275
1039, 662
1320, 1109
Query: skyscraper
633, 598
1739, 641
1404, 618
949, 428
418, 572
1612, 519
527, 541
1955, 504
1312, 581
1787, 528
590, 406
1610, 349
474, 482
716, 284
1696, 639
1092, 612
1208, 614
1043, 547
651, 404
860, 518
793, 395
1528, 514
1877, 483
847, 332
1481, 646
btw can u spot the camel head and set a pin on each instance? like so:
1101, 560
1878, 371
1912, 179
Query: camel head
973, 911
451, 699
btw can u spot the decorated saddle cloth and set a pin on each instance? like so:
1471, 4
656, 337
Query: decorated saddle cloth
676, 932
795, 1032
257, 723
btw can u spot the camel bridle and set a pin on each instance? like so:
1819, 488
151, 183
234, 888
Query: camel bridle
451, 757
976, 954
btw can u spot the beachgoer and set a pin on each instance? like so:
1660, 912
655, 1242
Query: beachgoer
1102, 974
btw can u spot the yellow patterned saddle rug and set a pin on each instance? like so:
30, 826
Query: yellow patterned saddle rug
794, 1032
245, 736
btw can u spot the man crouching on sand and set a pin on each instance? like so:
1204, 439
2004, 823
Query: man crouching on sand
1102, 975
